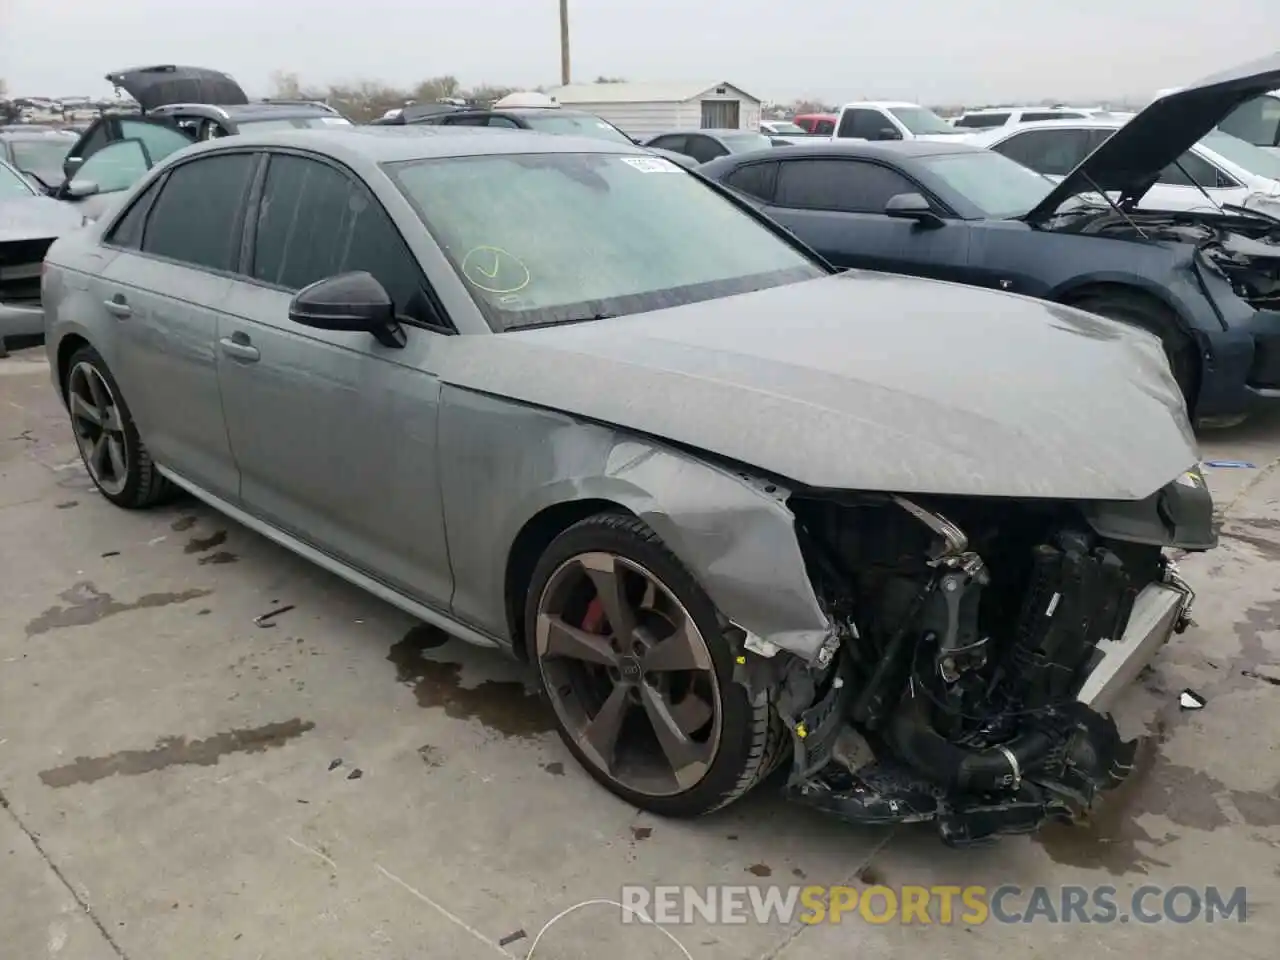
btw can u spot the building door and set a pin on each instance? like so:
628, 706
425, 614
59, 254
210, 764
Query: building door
721, 114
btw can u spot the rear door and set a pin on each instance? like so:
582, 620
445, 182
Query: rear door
836, 206
178, 244
334, 433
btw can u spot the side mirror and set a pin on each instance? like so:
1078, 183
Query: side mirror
912, 206
70, 165
349, 301
888, 133
79, 189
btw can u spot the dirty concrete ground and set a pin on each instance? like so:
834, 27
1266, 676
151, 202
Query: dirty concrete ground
179, 780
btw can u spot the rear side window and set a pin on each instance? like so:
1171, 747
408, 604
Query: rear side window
196, 218
160, 141
867, 124
1051, 152
755, 179
1057, 115
316, 222
983, 121
847, 186
1194, 171
704, 149
674, 142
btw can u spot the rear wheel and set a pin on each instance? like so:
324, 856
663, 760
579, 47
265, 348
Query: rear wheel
114, 455
630, 652
1139, 311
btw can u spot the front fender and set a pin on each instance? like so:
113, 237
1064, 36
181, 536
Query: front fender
504, 463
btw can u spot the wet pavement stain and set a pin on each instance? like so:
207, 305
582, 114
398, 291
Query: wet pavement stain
68, 505
555, 769
641, 833
502, 705
183, 523
87, 604
430, 756
760, 870
1268, 547
222, 556
871, 876
201, 544
175, 751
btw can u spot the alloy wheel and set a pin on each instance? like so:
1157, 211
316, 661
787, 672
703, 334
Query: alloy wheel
629, 674
98, 427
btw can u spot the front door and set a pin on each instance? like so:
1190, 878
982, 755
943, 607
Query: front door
180, 241
335, 434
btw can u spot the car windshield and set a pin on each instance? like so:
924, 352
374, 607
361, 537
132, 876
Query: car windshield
292, 123
12, 185
785, 128
921, 121
575, 124
560, 237
1254, 159
1001, 188
744, 142
41, 153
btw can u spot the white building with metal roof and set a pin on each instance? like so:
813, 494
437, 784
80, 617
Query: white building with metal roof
641, 109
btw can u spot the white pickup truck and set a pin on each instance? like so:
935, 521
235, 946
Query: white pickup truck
892, 120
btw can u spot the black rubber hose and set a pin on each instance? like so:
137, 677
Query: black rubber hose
943, 762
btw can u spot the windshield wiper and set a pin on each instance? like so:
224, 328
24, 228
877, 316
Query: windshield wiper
559, 323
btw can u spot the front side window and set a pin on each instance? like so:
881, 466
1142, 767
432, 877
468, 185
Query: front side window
160, 141
1259, 162
824, 128
196, 218
1051, 152
845, 186
755, 180
1194, 171
704, 149
561, 237
864, 124
115, 167
996, 185
675, 142
315, 221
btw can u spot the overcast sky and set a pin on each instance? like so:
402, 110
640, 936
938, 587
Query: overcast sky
925, 50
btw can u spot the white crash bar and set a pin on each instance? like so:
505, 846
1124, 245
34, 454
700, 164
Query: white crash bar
1155, 613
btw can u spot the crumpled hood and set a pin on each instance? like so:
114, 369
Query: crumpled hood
1130, 161
36, 218
868, 381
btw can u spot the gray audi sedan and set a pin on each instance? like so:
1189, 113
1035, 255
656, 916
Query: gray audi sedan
561, 397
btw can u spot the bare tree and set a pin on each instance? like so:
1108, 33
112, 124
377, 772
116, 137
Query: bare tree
286, 86
436, 88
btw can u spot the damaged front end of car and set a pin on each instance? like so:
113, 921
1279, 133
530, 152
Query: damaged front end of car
976, 647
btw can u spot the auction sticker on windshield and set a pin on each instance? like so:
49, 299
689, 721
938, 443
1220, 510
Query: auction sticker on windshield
651, 164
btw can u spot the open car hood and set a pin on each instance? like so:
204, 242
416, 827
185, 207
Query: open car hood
160, 85
1131, 159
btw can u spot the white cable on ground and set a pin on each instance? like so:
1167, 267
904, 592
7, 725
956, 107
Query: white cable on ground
612, 903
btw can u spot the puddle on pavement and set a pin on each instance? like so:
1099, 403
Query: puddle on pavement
201, 544
175, 751
222, 556
87, 604
184, 523
504, 706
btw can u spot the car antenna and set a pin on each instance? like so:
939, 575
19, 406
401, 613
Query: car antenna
1114, 206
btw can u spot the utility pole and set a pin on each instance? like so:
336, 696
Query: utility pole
564, 42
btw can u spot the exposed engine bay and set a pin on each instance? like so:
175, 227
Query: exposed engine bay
1244, 249
966, 630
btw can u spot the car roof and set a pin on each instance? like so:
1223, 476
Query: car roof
709, 131
392, 144
873, 104
873, 149
248, 111
1008, 130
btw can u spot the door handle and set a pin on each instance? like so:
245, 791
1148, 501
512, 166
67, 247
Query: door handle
239, 347
118, 306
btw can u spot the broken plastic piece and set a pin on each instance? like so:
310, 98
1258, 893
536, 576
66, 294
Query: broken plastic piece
355, 774
1190, 700
335, 764
512, 937
262, 620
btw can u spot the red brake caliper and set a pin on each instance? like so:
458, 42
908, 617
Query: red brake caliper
593, 620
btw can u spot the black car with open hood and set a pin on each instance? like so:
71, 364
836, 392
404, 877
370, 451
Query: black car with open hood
1207, 284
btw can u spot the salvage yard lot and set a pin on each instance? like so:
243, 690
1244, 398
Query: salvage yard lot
171, 777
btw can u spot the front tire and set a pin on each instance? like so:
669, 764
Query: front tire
631, 654
114, 455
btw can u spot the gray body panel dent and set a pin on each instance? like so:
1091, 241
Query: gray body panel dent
508, 462
871, 382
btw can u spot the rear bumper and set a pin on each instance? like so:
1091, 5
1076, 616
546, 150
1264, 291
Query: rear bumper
23, 319
1159, 611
